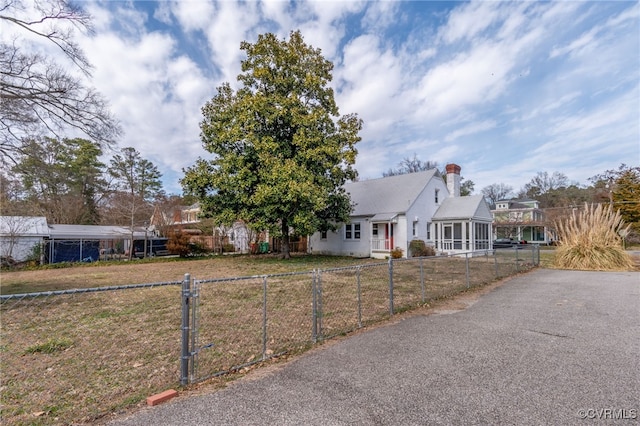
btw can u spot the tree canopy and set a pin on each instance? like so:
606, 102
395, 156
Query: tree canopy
61, 179
136, 185
411, 165
621, 188
281, 150
414, 165
496, 192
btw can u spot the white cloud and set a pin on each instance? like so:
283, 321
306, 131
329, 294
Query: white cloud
380, 15
193, 15
468, 21
472, 77
470, 129
369, 80
163, 13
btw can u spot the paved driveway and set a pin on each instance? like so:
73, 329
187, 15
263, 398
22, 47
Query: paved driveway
548, 347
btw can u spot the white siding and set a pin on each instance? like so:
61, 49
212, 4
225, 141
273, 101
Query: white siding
19, 248
336, 244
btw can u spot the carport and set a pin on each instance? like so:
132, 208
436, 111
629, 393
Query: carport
87, 243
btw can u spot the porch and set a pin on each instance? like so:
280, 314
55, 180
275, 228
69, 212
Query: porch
382, 238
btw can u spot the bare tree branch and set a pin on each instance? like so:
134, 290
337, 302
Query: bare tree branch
37, 95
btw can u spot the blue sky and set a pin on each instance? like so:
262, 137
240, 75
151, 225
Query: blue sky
504, 89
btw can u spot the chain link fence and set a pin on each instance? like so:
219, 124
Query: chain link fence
74, 356
237, 322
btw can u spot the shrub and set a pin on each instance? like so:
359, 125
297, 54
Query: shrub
590, 239
396, 253
178, 243
197, 249
420, 249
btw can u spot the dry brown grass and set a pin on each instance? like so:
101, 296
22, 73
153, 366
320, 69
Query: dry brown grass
590, 239
76, 358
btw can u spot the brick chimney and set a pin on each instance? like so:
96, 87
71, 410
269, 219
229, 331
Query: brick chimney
453, 179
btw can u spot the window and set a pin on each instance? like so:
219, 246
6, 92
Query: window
428, 230
323, 235
374, 230
415, 229
435, 229
352, 231
457, 236
467, 235
447, 231
437, 195
481, 236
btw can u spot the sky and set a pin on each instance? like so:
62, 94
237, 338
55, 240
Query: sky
503, 89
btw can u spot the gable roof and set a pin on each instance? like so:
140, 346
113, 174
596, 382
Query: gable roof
388, 195
469, 207
25, 226
522, 203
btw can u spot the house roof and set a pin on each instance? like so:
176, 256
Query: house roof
390, 195
522, 203
469, 207
36, 226
25, 226
95, 232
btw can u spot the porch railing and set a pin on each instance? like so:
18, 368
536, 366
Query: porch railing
380, 244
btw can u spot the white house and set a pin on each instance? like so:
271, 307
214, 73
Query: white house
390, 212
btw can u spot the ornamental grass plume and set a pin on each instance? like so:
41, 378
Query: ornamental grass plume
590, 239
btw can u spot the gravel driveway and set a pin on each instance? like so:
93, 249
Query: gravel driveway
547, 347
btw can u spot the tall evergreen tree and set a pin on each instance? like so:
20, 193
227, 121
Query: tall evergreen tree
62, 179
621, 188
137, 184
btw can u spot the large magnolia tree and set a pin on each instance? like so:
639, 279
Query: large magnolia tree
281, 152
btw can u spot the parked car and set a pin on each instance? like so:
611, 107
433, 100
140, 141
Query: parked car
505, 243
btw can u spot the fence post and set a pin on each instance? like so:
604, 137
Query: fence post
264, 317
314, 309
359, 297
495, 262
390, 286
515, 249
193, 328
320, 312
466, 261
422, 279
186, 355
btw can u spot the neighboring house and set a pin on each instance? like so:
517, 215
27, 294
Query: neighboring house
522, 220
187, 219
390, 212
21, 236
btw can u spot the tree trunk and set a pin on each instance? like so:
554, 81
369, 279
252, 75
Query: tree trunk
284, 251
